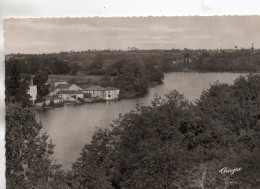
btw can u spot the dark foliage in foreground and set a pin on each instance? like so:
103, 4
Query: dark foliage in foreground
170, 144
16, 85
175, 144
28, 153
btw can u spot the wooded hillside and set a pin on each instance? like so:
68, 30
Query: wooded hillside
169, 144
242, 60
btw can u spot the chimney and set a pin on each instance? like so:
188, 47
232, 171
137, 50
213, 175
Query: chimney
31, 83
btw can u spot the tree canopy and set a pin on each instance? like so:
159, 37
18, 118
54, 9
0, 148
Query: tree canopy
28, 152
172, 143
176, 144
16, 84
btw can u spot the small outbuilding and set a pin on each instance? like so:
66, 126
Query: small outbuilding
32, 90
65, 87
111, 93
70, 95
95, 91
54, 99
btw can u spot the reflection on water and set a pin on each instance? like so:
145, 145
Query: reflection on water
72, 126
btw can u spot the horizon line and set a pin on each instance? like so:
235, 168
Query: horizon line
126, 50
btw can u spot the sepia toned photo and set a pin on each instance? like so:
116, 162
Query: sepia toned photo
132, 102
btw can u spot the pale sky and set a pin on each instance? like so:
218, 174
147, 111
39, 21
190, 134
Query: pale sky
40, 35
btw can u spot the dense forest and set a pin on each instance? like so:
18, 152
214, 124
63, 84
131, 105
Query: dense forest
238, 61
97, 62
133, 71
131, 77
172, 143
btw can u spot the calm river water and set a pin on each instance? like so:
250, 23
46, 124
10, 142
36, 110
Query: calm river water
72, 126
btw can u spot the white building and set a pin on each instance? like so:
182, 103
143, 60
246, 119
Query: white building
108, 93
64, 87
54, 99
70, 95
111, 93
95, 91
32, 90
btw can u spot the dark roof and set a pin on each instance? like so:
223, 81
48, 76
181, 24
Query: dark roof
69, 92
63, 86
111, 89
95, 88
83, 85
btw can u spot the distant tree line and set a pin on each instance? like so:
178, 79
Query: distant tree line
30, 64
238, 61
170, 144
96, 62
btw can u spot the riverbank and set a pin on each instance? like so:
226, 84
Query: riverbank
134, 95
79, 122
59, 105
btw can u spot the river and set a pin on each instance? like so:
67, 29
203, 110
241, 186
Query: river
72, 126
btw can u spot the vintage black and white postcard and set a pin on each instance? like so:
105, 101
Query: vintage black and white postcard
132, 102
